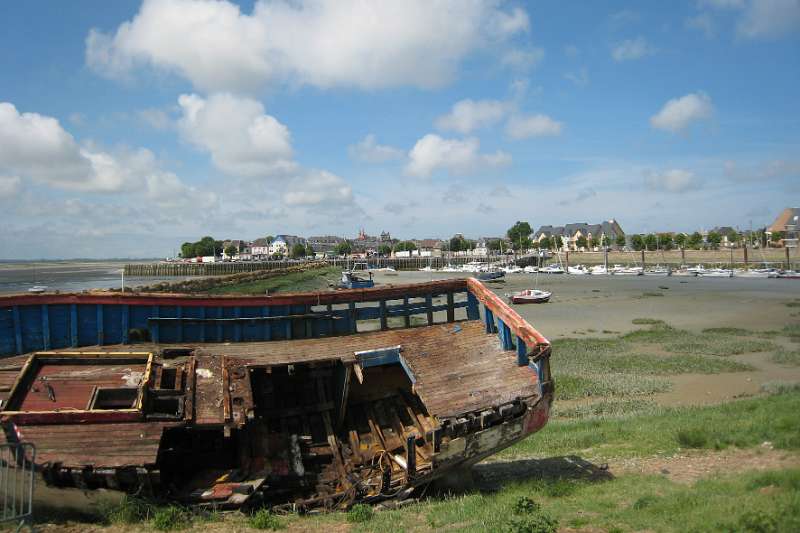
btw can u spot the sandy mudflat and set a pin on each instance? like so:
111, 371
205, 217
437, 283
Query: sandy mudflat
582, 303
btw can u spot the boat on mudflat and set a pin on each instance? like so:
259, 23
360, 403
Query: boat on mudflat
296, 401
530, 296
495, 275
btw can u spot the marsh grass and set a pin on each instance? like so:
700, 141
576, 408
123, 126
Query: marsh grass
742, 423
646, 321
309, 280
786, 357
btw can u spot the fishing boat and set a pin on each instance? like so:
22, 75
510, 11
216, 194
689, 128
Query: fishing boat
715, 273
495, 275
512, 269
552, 269
293, 401
757, 273
577, 270
658, 271
530, 269
37, 289
627, 271
353, 280
530, 296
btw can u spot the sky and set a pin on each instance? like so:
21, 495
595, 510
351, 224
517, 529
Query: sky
128, 127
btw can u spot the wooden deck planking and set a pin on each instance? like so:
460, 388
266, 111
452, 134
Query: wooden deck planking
209, 400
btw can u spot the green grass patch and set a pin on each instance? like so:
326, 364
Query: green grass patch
646, 321
742, 423
171, 518
792, 304
310, 280
264, 519
786, 357
739, 332
605, 408
359, 513
718, 345
651, 294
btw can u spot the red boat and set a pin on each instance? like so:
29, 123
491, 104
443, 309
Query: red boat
530, 296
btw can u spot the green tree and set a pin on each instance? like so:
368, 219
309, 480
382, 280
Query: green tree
605, 241
344, 248
384, 250
680, 240
581, 242
231, 250
494, 245
558, 242
650, 241
187, 250
593, 242
776, 237
665, 241
405, 246
546, 243
714, 239
733, 237
695, 240
637, 242
298, 250
620, 241
458, 244
519, 235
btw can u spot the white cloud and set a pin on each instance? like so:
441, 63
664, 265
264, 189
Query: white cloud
525, 126
769, 19
36, 146
369, 151
241, 138
9, 186
679, 113
673, 180
701, 22
455, 156
775, 169
316, 188
579, 77
572, 51
469, 115
155, 118
721, 4
343, 43
632, 49
520, 59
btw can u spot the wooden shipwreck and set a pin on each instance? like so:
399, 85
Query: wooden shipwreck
296, 401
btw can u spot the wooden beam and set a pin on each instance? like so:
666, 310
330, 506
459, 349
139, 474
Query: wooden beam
503, 312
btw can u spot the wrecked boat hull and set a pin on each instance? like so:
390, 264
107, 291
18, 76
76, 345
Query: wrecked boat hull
323, 416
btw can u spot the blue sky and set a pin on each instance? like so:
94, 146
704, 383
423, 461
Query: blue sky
128, 127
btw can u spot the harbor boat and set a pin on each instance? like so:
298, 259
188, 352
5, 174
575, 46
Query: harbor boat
386, 271
577, 270
37, 289
512, 269
757, 273
789, 274
552, 269
530, 296
352, 279
427, 269
530, 269
658, 271
598, 270
495, 275
715, 273
627, 271
293, 401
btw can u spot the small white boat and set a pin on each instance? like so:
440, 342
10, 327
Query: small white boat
754, 273
658, 270
577, 270
530, 269
598, 270
789, 274
512, 269
427, 269
388, 271
530, 296
552, 269
451, 268
716, 273
38, 289
627, 271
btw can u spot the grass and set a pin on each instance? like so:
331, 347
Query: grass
786, 357
646, 321
310, 280
742, 423
627, 365
264, 519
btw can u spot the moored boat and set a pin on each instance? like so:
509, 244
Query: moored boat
530, 296
552, 269
283, 401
